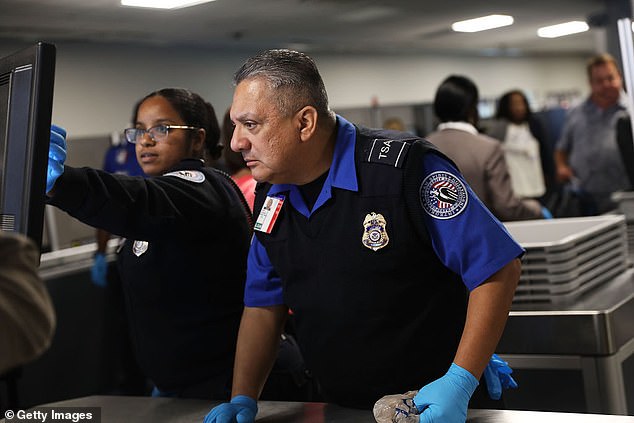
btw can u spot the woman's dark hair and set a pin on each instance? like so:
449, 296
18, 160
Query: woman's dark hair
233, 160
504, 105
194, 111
457, 100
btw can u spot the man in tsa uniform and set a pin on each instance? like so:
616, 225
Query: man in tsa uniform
398, 277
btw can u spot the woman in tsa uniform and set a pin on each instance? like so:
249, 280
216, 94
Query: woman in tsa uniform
187, 230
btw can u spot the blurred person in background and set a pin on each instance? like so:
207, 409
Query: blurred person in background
27, 317
394, 123
127, 377
525, 143
587, 155
121, 159
480, 158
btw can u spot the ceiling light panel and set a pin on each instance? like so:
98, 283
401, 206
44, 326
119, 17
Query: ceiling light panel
559, 30
163, 4
483, 23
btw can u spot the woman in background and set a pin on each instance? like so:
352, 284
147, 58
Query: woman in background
479, 157
529, 159
187, 233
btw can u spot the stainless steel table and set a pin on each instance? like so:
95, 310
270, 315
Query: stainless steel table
597, 323
576, 356
169, 410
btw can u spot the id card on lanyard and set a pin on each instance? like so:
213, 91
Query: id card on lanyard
268, 213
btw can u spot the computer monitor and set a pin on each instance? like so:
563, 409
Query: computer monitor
26, 102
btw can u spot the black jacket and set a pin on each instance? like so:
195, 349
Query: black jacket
182, 265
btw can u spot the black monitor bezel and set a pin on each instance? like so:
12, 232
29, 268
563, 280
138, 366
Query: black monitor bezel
30, 74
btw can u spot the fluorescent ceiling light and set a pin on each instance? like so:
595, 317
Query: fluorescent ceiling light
482, 24
163, 4
562, 29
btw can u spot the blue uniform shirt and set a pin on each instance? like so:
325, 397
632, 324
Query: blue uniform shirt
473, 244
121, 159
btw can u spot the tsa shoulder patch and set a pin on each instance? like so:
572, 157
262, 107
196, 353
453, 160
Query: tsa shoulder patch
443, 195
188, 175
388, 152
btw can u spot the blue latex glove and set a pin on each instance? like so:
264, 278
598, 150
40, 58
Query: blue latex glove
445, 400
546, 213
99, 270
498, 377
56, 156
241, 409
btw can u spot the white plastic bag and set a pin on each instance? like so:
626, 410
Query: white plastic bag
399, 408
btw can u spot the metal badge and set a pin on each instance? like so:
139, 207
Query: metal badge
139, 247
374, 233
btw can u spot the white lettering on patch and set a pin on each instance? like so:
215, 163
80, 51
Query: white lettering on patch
188, 175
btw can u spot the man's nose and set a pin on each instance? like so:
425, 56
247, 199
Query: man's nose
239, 142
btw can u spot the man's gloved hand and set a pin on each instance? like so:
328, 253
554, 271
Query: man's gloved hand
56, 156
99, 270
498, 377
445, 400
241, 409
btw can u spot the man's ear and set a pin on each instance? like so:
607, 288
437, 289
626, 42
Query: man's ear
307, 122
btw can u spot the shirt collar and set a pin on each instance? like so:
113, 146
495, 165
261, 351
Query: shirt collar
621, 104
343, 169
342, 173
460, 126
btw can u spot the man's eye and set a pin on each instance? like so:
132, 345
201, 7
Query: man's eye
249, 125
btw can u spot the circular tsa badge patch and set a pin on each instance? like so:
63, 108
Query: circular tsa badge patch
443, 195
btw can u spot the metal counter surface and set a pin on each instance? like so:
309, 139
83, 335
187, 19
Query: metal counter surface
172, 410
597, 323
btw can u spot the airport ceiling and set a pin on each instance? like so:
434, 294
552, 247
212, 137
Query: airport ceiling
345, 26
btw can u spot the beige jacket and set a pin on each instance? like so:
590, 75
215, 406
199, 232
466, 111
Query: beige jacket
27, 318
481, 161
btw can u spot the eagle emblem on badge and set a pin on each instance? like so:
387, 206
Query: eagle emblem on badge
139, 247
443, 195
374, 233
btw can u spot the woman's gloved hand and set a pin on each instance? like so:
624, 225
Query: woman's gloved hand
445, 400
56, 156
241, 409
99, 270
497, 376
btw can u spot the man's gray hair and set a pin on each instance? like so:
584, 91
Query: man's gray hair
293, 75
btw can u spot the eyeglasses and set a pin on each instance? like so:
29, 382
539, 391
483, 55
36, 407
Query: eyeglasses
157, 133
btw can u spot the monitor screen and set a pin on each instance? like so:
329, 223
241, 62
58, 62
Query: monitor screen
26, 101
